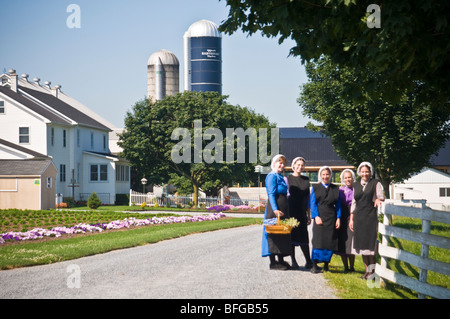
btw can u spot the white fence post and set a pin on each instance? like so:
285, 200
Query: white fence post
424, 238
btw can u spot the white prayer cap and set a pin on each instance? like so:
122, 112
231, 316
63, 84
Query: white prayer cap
365, 164
297, 159
320, 171
345, 171
275, 159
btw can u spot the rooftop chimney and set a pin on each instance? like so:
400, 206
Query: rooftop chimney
56, 89
13, 76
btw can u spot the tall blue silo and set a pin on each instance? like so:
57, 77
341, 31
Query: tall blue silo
203, 57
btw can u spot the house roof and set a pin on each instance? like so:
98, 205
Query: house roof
314, 147
428, 176
64, 108
22, 149
32, 106
31, 167
443, 157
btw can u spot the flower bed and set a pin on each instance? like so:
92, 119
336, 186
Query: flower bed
39, 233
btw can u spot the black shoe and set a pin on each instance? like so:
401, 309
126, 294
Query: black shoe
315, 269
295, 266
308, 265
278, 266
285, 264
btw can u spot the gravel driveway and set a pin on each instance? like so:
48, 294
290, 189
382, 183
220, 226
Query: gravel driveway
213, 265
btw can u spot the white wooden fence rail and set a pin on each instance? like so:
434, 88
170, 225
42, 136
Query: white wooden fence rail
137, 198
424, 238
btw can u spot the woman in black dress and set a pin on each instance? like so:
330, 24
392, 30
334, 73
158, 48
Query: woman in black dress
326, 212
299, 197
367, 197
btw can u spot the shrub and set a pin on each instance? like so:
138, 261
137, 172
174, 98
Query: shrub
69, 201
93, 201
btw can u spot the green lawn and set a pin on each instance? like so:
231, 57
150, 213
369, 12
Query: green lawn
351, 286
31, 253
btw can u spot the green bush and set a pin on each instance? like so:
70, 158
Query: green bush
93, 201
122, 199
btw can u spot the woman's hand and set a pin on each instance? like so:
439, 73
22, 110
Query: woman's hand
377, 203
278, 213
318, 220
338, 223
350, 223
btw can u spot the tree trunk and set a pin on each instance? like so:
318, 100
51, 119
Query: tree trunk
386, 184
195, 195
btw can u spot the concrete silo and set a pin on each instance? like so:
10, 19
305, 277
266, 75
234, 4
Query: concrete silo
203, 57
163, 73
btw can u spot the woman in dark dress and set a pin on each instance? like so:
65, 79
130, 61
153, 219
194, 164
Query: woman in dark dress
367, 197
326, 212
299, 198
345, 234
277, 205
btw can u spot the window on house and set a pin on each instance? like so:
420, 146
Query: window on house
444, 192
92, 140
53, 136
62, 173
122, 173
2, 107
49, 182
24, 135
64, 138
104, 142
99, 172
78, 138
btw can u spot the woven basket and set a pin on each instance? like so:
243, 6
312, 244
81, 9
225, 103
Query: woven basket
278, 228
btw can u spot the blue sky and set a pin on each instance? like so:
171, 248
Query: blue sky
103, 64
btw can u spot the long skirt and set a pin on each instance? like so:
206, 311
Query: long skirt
276, 244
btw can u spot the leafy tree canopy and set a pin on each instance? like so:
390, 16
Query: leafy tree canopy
411, 46
398, 139
154, 130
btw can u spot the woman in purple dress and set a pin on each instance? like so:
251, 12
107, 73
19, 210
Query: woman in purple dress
345, 234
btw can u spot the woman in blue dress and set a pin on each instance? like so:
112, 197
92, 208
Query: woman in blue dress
277, 205
326, 213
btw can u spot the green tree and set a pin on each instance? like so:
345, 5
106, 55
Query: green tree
154, 132
398, 139
93, 201
412, 44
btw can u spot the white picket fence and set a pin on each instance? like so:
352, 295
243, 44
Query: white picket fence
424, 238
137, 198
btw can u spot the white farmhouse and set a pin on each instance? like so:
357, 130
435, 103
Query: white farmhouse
429, 184
45, 120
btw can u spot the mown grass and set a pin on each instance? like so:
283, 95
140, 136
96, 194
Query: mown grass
351, 286
61, 249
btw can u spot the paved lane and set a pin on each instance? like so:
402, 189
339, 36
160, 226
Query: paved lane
219, 264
